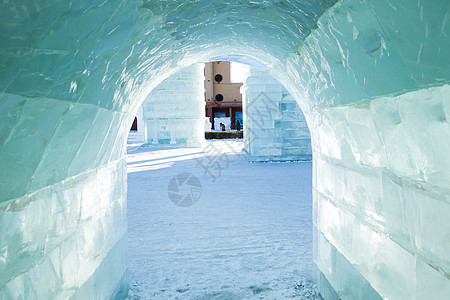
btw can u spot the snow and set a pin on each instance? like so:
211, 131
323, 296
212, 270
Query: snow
249, 236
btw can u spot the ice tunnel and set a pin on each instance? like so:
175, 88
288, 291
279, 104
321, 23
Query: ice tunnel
372, 78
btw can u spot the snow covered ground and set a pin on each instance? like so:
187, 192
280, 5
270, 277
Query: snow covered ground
247, 236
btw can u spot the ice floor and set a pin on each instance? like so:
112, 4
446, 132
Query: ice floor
249, 236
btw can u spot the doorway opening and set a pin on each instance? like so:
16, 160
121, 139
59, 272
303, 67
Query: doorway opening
205, 223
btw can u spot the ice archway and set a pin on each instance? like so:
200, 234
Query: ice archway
372, 78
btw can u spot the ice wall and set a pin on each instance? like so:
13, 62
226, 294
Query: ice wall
381, 196
380, 129
67, 240
174, 112
371, 77
275, 128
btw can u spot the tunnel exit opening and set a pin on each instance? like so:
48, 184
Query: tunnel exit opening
219, 209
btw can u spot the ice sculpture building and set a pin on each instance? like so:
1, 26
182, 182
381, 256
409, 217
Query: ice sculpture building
275, 128
372, 78
174, 111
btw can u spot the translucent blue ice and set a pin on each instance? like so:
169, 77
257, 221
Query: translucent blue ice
372, 78
275, 128
174, 112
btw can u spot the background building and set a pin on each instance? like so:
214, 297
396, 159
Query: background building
223, 97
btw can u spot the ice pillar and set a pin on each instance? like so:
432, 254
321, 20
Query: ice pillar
174, 112
275, 128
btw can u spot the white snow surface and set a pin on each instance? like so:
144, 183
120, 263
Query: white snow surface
249, 236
